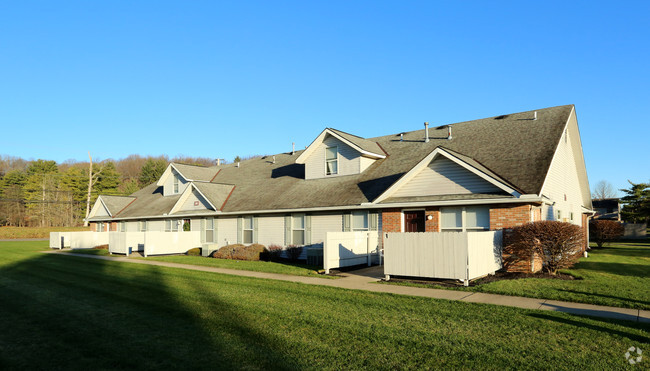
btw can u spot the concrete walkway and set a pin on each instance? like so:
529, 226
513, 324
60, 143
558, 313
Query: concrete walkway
365, 279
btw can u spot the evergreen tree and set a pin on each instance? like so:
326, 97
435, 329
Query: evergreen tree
151, 171
637, 203
41, 188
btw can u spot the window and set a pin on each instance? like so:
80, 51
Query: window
142, 226
175, 225
359, 220
122, 226
463, 219
332, 160
168, 225
298, 229
571, 216
559, 215
209, 230
248, 229
100, 226
175, 184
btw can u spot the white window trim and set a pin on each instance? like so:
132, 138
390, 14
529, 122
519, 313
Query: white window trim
303, 229
141, 223
176, 185
332, 160
210, 229
122, 226
463, 222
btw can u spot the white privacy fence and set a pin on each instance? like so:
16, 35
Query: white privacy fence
78, 240
125, 242
345, 249
160, 243
450, 255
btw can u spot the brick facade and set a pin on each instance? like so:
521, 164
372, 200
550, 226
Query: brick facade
432, 225
113, 227
585, 231
508, 216
93, 227
391, 220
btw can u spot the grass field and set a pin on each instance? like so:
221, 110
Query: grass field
295, 269
74, 313
34, 232
617, 275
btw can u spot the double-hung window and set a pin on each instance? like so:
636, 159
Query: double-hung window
142, 225
332, 160
247, 231
209, 230
168, 225
359, 220
122, 226
176, 185
100, 226
298, 229
464, 219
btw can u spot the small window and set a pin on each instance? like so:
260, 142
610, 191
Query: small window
175, 225
298, 229
168, 225
359, 220
209, 230
332, 160
122, 226
571, 216
451, 219
100, 227
176, 186
142, 226
248, 229
559, 215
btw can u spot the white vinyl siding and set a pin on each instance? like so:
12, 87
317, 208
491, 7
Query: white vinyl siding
168, 187
227, 231
271, 230
445, 177
562, 180
349, 160
195, 202
365, 163
323, 223
100, 210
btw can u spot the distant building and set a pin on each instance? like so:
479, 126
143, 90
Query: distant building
607, 209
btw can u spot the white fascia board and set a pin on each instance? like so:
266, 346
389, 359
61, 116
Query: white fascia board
366, 206
427, 160
186, 194
312, 147
168, 172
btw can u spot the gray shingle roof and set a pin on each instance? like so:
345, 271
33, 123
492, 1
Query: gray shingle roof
216, 193
365, 144
513, 148
194, 172
115, 204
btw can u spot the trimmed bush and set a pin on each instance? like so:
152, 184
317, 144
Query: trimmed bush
293, 252
558, 244
272, 253
194, 252
602, 231
240, 252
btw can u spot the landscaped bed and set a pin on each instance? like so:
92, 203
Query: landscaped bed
69, 312
616, 275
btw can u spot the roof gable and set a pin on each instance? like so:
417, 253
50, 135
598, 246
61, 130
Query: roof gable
192, 200
189, 173
365, 147
442, 173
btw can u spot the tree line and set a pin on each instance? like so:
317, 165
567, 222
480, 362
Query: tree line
42, 193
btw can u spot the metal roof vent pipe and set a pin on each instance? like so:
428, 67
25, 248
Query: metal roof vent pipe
535, 116
237, 163
274, 159
401, 137
426, 132
293, 148
449, 132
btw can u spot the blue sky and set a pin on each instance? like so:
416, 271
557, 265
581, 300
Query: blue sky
220, 79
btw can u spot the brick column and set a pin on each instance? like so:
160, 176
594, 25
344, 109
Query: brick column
93, 227
391, 220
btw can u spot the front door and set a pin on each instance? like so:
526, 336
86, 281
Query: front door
414, 221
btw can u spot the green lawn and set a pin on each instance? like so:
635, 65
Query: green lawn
256, 266
616, 275
74, 313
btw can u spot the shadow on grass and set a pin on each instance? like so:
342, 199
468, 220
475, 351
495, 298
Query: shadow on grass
627, 300
583, 324
72, 312
643, 251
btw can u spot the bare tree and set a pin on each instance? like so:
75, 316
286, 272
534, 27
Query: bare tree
92, 179
603, 189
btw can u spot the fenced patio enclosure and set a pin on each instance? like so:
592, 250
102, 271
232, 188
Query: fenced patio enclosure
346, 249
149, 243
448, 255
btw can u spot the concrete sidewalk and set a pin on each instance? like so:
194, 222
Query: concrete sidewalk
366, 279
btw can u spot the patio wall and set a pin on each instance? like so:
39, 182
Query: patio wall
345, 249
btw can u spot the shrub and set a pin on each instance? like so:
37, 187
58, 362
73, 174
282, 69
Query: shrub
240, 252
294, 252
101, 247
194, 252
558, 244
272, 253
601, 231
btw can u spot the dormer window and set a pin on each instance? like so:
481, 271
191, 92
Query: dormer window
332, 160
176, 186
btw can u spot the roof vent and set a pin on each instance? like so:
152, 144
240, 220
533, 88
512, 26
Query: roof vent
426, 132
401, 137
274, 159
449, 132
237, 163
293, 148
535, 116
